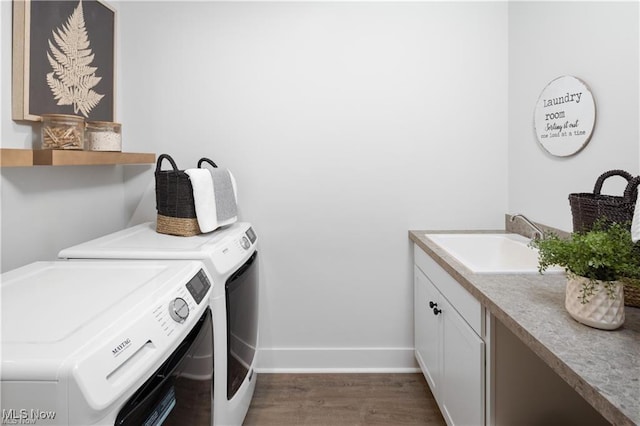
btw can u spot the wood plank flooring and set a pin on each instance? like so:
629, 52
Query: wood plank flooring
343, 399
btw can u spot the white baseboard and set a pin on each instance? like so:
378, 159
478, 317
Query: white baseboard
337, 360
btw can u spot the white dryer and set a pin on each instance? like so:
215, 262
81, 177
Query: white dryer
106, 343
231, 258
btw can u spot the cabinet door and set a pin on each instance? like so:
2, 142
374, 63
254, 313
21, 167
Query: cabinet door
462, 388
427, 329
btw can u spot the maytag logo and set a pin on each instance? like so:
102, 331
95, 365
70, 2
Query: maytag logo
121, 347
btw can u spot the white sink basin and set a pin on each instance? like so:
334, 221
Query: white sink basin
492, 253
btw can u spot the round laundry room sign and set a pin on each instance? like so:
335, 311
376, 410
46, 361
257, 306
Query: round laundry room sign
565, 116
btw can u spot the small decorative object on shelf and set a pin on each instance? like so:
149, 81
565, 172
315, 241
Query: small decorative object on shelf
103, 136
62, 131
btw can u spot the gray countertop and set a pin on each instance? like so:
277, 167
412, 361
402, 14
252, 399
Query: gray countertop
602, 366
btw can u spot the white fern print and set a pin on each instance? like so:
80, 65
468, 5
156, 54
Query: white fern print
73, 79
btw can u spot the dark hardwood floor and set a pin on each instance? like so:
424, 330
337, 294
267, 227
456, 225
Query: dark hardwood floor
342, 399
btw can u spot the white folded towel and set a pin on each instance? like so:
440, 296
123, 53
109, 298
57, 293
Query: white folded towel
214, 196
203, 198
635, 224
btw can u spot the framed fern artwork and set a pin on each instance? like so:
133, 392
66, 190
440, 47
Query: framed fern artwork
63, 59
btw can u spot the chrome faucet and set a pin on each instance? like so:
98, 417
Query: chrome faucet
537, 232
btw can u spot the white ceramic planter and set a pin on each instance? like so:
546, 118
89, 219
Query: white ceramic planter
601, 311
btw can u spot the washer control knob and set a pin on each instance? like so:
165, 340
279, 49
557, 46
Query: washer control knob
178, 309
244, 242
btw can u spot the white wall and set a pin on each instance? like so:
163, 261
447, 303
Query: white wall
597, 42
345, 124
45, 209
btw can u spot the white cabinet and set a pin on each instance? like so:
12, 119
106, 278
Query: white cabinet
428, 329
462, 392
448, 346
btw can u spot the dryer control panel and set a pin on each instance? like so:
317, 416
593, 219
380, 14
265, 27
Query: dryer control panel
198, 286
235, 250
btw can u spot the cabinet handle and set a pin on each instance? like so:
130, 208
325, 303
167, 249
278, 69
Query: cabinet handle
432, 305
436, 311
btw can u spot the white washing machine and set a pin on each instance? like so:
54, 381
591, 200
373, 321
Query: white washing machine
107, 343
231, 259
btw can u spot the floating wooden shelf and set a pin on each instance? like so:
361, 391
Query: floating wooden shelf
54, 157
16, 157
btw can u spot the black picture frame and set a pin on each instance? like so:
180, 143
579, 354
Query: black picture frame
37, 29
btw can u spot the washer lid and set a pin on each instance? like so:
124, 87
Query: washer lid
143, 242
69, 295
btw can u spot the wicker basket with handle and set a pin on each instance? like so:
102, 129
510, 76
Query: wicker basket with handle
587, 208
174, 201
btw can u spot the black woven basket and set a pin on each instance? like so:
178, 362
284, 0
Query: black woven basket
174, 195
587, 208
174, 201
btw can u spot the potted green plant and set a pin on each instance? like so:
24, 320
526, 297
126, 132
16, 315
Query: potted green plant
595, 262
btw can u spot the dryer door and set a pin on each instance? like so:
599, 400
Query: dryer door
242, 323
